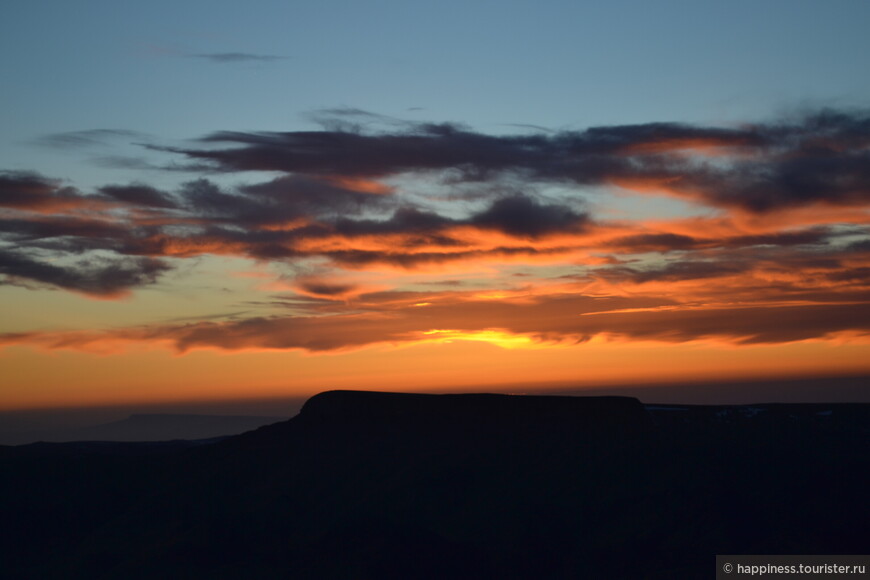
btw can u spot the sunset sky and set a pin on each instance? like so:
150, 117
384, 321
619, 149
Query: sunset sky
217, 201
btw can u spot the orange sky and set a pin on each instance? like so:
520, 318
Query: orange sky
70, 378
439, 260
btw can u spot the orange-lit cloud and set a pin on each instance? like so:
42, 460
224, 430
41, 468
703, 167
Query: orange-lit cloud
510, 318
436, 233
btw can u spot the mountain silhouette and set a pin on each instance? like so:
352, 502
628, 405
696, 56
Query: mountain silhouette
148, 427
385, 485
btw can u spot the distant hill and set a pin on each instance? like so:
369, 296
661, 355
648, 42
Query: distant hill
380, 486
148, 427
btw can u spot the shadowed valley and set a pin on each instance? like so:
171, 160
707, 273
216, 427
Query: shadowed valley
383, 485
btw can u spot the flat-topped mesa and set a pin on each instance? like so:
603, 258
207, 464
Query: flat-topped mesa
485, 409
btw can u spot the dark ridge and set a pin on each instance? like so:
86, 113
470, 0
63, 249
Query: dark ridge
383, 485
506, 410
331, 415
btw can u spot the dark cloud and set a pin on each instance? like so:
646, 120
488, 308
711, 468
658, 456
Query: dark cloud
784, 181
88, 138
128, 162
49, 237
404, 219
854, 275
331, 201
658, 137
822, 157
326, 289
28, 190
517, 215
236, 57
313, 197
653, 243
139, 195
669, 242
678, 271
97, 277
729, 276
413, 259
25, 232
208, 200
744, 325
354, 120
862, 246
811, 236
524, 217
276, 201
427, 146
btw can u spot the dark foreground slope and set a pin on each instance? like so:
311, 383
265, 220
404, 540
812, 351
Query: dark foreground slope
375, 485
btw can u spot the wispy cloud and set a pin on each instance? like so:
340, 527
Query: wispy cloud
88, 138
235, 57
544, 320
